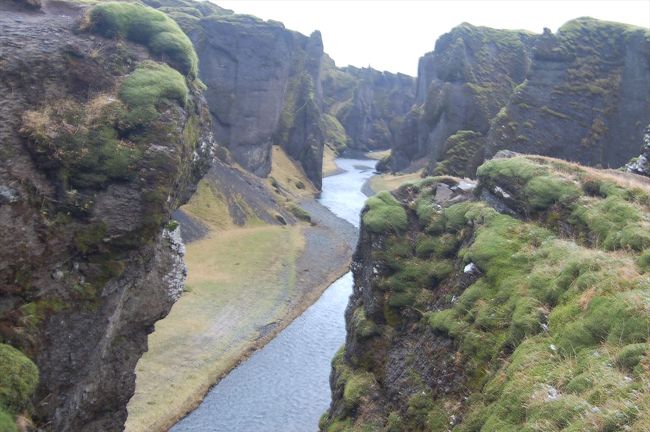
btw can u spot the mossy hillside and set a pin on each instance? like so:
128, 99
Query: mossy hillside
384, 213
147, 87
152, 28
18, 381
552, 331
598, 208
463, 153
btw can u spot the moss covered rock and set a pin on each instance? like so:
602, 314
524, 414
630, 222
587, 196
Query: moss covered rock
521, 307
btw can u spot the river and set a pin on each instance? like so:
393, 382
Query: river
284, 387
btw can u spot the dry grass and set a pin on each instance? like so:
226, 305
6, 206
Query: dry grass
388, 182
329, 162
289, 175
622, 179
378, 155
238, 280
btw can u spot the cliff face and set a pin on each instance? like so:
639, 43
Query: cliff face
581, 94
518, 306
100, 142
461, 85
368, 104
587, 97
263, 86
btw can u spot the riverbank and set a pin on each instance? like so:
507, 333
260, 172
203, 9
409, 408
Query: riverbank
244, 286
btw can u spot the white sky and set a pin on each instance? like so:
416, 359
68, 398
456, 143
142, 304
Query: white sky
392, 35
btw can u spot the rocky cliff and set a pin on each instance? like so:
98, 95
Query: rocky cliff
587, 98
263, 85
365, 107
581, 94
461, 86
516, 303
100, 140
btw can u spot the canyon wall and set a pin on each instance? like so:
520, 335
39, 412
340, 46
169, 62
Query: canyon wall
513, 303
581, 94
366, 105
100, 140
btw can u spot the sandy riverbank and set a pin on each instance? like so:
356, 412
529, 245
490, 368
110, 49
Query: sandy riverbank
244, 286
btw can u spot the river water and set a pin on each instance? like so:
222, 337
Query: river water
284, 387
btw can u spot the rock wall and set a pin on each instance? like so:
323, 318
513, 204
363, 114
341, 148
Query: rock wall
512, 303
587, 98
100, 142
581, 94
368, 104
461, 86
263, 86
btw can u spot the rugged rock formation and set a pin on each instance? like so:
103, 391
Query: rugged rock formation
580, 94
641, 165
521, 306
368, 105
263, 85
585, 99
100, 142
461, 86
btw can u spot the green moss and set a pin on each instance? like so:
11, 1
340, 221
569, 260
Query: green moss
357, 386
18, 379
335, 136
88, 155
7, 423
300, 213
542, 192
615, 223
147, 26
363, 326
631, 355
463, 154
384, 213
150, 85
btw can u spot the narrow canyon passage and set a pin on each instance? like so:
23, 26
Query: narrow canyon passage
285, 385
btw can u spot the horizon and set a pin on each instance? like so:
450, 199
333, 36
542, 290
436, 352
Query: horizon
416, 25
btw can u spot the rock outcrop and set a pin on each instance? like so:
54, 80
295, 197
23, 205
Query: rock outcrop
641, 164
367, 105
580, 94
461, 86
263, 85
585, 99
520, 305
100, 142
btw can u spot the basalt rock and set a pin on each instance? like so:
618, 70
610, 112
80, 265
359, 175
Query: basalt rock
87, 185
580, 94
642, 163
585, 99
461, 86
263, 86
368, 104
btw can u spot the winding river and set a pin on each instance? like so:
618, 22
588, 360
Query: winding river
285, 385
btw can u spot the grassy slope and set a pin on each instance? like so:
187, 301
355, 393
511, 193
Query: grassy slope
239, 279
552, 333
388, 182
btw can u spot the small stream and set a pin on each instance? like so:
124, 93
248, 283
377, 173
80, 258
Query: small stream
284, 387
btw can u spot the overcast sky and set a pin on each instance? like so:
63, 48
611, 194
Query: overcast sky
392, 35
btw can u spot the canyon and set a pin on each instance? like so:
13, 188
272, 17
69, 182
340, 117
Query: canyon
172, 152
